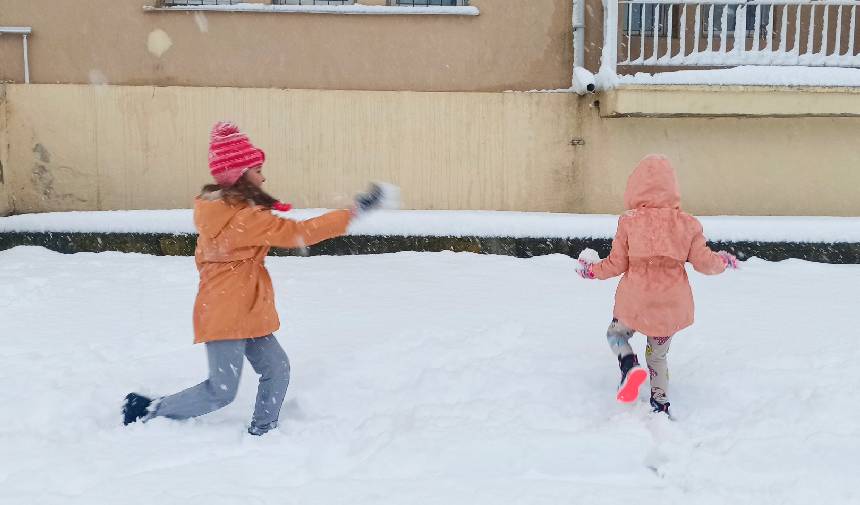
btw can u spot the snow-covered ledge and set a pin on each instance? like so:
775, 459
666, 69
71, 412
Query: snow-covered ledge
452, 223
729, 100
325, 9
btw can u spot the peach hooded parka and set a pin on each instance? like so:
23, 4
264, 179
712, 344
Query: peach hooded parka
653, 242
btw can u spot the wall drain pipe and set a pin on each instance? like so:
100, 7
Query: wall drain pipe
25, 32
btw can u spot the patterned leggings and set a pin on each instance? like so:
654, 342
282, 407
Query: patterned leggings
618, 335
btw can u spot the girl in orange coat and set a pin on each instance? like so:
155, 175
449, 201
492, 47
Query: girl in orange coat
234, 314
655, 239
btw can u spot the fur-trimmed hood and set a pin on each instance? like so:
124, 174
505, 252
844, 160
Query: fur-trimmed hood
212, 214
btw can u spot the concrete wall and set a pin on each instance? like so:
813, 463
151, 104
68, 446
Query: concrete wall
5, 200
106, 147
511, 45
731, 165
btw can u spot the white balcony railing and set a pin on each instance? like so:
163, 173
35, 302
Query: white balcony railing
716, 33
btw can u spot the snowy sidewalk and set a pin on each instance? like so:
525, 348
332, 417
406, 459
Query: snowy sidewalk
521, 234
445, 223
428, 378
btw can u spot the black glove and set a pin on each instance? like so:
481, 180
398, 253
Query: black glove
369, 200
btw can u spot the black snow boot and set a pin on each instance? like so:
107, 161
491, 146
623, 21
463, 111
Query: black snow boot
134, 408
632, 376
662, 408
259, 430
627, 363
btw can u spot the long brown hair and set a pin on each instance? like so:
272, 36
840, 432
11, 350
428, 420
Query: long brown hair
242, 192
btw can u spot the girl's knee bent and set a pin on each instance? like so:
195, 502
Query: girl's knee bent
223, 394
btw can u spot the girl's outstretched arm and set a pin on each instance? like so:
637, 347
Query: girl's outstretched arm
257, 226
617, 261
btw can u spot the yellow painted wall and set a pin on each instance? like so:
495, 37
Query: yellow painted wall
5, 201
105, 147
732, 165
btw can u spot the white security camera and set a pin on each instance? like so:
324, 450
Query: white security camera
583, 81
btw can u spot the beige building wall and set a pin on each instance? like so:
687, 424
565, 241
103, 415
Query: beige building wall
104, 147
5, 199
511, 45
730, 165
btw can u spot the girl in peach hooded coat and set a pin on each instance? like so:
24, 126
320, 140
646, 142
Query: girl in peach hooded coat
654, 241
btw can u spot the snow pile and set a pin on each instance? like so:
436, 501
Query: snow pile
116, 221
753, 76
423, 378
456, 224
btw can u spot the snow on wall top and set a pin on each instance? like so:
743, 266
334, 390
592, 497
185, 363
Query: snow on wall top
752, 76
455, 223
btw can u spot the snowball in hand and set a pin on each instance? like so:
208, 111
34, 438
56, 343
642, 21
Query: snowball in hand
589, 256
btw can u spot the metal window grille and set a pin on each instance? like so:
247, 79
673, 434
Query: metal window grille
170, 3
313, 2
732, 15
639, 18
427, 3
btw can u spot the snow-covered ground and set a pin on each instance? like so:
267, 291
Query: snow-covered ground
428, 378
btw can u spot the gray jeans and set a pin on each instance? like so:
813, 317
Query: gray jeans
225, 369
618, 335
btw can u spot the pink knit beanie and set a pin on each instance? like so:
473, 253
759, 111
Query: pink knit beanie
231, 154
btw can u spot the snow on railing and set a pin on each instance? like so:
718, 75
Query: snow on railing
815, 33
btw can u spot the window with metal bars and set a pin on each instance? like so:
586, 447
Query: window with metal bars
428, 3
639, 18
313, 2
732, 19
170, 3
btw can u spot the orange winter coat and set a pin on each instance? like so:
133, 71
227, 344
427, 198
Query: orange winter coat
235, 299
653, 242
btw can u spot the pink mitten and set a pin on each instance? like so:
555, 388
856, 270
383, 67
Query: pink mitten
585, 270
587, 258
729, 259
